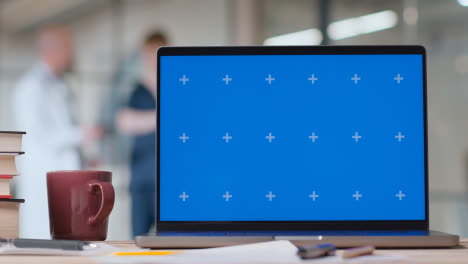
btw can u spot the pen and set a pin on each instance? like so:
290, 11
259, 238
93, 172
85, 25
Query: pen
356, 252
47, 243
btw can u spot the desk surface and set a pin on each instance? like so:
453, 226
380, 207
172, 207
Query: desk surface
426, 256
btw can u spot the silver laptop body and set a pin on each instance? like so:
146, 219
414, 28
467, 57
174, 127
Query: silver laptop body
185, 70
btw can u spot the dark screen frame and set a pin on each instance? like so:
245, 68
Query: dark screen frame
292, 225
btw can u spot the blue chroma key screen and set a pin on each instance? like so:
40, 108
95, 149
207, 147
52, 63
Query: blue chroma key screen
292, 138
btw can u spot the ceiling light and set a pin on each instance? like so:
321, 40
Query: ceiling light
306, 37
362, 25
463, 2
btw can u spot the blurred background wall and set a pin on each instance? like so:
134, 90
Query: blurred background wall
108, 34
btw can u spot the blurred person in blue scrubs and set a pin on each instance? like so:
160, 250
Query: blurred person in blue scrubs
138, 119
45, 109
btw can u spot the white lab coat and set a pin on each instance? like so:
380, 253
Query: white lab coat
43, 109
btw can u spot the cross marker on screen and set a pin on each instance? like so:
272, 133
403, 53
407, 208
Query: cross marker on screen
356, 136
313, 79
357, 195
227, 196
400, 195
184, 196
313, 137
227, 79
356, 78
270, 196
184, 79
269, 79
227, 137
313, 196
399, 136
398, 78
270, 137
183, 138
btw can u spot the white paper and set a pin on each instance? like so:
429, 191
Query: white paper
275, 252
362, 259
267, 252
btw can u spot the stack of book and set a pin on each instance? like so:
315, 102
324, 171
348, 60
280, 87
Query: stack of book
10, 148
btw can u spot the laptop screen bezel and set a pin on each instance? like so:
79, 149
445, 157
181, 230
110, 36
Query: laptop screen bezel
291, 225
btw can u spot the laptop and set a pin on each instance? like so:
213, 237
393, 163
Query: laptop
308, 144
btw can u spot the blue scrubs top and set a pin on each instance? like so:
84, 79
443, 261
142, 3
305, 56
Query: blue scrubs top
143, 153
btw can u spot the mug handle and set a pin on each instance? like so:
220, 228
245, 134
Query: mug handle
107, 201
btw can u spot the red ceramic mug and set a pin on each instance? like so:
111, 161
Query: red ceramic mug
80, 203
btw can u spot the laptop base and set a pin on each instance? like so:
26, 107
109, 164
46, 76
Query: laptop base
341, 239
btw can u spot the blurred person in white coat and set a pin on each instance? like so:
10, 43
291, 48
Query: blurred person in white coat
45, 109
